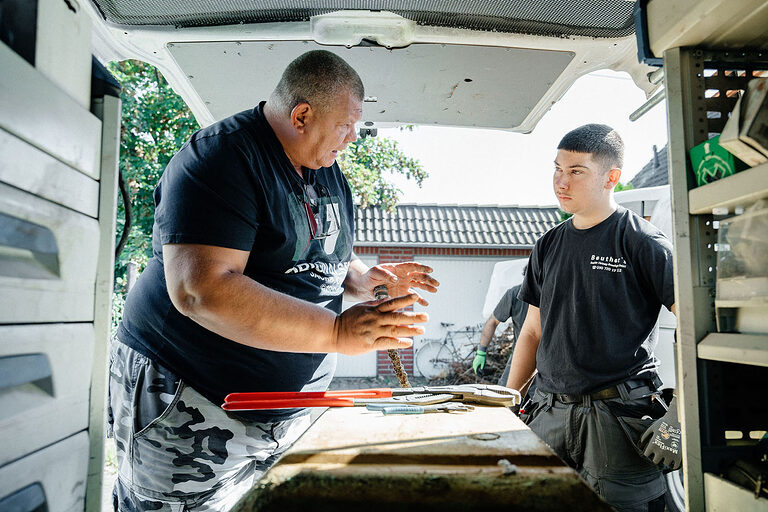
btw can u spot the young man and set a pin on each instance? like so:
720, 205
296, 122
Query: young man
252, 247
595, 285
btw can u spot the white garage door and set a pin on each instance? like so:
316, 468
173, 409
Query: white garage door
363, 365
463, 285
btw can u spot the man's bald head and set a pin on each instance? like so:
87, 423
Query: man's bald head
318, 78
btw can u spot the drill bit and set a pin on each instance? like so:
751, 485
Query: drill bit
380, 292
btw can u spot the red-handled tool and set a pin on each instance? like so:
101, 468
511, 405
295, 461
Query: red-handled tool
336, 393
427, 395
275, 401
288, 403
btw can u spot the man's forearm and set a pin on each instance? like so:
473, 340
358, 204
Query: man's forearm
524, 357
240, 309
488, 330
523, 362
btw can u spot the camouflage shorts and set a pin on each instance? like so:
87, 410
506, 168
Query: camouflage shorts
176, 450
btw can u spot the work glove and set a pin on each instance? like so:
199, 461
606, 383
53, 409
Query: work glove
479, 361
661, 442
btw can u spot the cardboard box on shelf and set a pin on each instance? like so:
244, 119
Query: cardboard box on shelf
745, 134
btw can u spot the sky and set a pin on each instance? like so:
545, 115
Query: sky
481, 167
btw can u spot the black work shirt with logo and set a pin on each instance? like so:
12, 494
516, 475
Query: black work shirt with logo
599, 291
232, 185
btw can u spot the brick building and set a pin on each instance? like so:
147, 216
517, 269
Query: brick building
461, 243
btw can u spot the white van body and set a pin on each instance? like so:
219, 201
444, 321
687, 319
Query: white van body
59, 155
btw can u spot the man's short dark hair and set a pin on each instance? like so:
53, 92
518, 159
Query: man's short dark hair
600, 140
316, 77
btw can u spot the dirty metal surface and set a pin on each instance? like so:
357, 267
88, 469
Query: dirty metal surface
354, 459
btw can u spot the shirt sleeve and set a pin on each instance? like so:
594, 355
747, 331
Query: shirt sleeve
207, 196
654, 264
530, 289
502, 310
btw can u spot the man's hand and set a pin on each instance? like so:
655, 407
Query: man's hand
401, 279
662, 441
378, 325
479, 361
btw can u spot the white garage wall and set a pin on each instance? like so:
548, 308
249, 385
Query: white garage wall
459, 300
363, 365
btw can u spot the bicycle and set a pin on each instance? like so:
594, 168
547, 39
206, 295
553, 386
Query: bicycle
436, 356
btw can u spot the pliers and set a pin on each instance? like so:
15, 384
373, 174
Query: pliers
420, 409
484, 394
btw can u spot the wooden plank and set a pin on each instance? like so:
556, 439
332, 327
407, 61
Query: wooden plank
725, 496
347, 433
354, 459
735, 348
37, 111
28, 168
714, 23
683, 89
109, 111
740, 189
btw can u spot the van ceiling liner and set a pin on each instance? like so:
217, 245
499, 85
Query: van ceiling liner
445, 85
591, 18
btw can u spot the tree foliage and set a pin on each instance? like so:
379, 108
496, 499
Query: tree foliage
156, 123
367, 163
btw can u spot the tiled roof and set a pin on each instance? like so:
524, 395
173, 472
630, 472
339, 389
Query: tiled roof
655, 172
431, 225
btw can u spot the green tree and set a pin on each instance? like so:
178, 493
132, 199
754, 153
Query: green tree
155, 124
367, 163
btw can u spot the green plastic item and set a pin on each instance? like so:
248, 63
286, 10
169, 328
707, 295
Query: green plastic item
711, 162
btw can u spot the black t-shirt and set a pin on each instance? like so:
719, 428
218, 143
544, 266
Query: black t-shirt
232, 185
599, 291
511, 307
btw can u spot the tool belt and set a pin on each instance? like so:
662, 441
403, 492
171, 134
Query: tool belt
605, 394
634, 388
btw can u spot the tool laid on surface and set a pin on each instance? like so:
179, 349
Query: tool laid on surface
482, 394
420, 409
380, 292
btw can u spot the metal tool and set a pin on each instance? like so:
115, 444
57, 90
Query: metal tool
420, 409
483, 394
380, 292
333, 401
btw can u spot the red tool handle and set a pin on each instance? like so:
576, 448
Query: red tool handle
289, 403
283, 395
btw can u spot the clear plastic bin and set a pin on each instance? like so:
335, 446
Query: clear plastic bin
742, 253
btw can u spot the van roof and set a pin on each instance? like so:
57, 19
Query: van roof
490, 64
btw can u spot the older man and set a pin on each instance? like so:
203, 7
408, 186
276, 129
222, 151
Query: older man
252, 252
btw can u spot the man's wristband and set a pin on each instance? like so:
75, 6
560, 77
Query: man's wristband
480, 351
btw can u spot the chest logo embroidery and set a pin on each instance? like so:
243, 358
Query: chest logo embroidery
608, 263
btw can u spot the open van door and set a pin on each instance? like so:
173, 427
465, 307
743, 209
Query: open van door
59, 144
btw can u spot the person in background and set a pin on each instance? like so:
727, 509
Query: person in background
509, 306
252, 252
594, 288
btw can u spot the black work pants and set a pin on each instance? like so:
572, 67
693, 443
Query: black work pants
598, 438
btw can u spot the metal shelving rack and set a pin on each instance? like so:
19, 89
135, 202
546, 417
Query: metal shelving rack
720, 375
